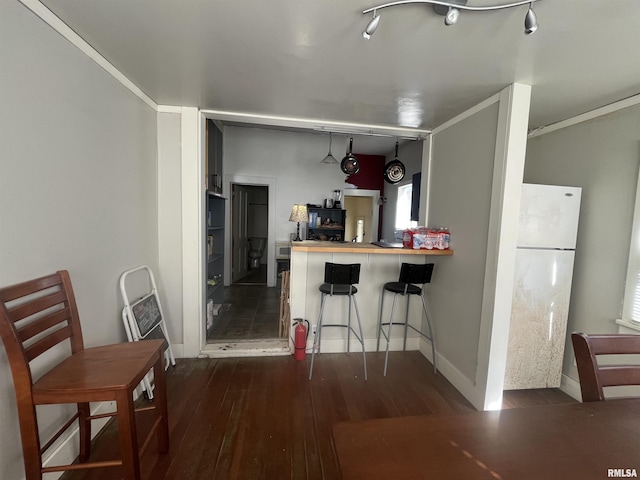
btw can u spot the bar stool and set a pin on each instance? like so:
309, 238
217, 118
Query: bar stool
339, 279
411, 275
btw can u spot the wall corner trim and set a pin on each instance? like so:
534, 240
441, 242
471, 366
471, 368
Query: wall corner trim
76, 40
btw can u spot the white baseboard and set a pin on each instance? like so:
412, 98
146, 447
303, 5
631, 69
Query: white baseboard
66, 449
178, 350
462, 383
571, 387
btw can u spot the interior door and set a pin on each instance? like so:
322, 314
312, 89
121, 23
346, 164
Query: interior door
239, 236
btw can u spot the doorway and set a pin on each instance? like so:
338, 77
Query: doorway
249, 234
362, 205
251, 307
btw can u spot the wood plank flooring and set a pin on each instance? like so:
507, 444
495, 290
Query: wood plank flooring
261, 418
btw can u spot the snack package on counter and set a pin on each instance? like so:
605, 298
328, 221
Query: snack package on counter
407, 238
427, 238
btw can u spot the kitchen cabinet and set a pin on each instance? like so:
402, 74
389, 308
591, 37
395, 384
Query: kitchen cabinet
214, 158
326, 223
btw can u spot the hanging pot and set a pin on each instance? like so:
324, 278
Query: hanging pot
394, 170
349, 164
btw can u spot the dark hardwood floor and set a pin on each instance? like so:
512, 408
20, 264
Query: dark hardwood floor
251, 312
261, 418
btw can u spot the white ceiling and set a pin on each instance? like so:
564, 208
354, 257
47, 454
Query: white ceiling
307, 58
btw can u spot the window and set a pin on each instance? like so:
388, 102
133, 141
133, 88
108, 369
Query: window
403, 208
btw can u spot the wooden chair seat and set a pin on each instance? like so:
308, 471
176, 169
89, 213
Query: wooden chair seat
40, 314
96, 374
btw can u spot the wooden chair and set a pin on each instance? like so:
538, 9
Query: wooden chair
41, 314
594, 377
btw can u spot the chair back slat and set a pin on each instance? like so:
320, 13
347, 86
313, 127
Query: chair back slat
41, 346
615, 344
614, 375
29, 313
341, 274
36, 305
13, 292
42, 324
415, 273
593, 377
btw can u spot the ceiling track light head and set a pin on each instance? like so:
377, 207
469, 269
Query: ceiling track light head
452, 16
371, 26
530, 21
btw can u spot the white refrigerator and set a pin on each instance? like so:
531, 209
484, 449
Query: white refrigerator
547, 232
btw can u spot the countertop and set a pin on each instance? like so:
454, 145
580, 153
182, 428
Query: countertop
352, 247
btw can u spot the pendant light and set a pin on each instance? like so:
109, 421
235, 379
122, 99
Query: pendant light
329, 159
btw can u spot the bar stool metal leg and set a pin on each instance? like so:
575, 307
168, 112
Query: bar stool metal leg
406, 323
349, 327
380, 320
386, 357
364, 356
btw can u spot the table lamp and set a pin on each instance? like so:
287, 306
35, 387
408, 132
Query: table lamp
298, 214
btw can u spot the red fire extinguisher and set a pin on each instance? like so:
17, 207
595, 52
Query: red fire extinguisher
300, 334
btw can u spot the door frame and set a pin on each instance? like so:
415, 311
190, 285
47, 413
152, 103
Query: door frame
375, 206
271, 183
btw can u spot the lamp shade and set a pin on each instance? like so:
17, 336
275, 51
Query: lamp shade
299, 213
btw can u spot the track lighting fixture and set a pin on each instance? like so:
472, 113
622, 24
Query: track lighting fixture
452, 12
452, 16
371, 26
530, 21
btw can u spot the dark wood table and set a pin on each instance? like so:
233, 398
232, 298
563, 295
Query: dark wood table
570, 441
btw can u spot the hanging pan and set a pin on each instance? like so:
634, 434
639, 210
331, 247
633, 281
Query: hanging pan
349, 163
394, 170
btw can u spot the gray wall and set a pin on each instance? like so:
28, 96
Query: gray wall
461, 186
77, 187
602, 157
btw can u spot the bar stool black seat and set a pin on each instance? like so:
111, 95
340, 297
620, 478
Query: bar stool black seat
411, 275
339, 279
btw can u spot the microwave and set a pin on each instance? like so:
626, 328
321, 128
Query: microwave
283, 250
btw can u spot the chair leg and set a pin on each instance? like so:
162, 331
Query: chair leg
160, 402
406, 324
128, 435
380, 320
85, 431
30, 444
364, 355
431, 336
316, 340
386, 356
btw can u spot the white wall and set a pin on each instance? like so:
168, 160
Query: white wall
475, 177
460, 195
293, 159
77, 187
601, 156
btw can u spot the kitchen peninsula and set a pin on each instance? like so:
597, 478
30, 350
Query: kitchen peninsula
378, 266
